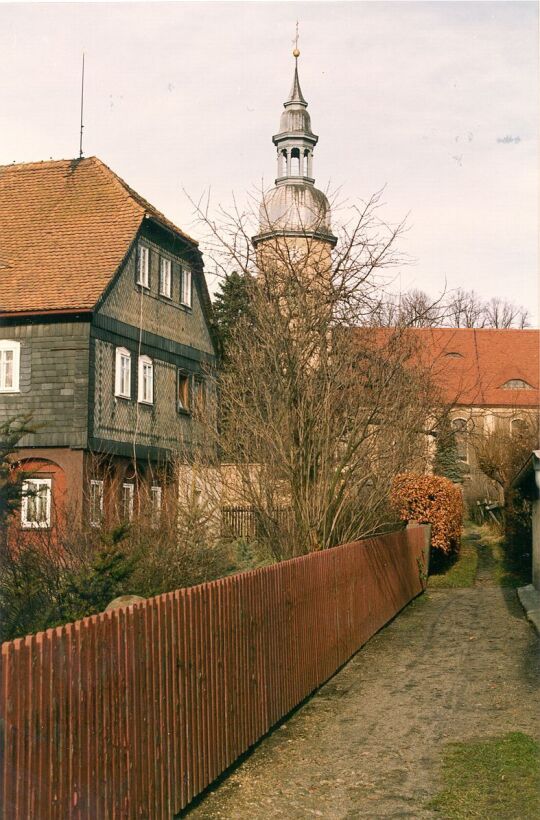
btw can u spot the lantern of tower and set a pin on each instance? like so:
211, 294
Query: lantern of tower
294, 217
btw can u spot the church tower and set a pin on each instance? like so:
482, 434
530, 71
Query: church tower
294, 217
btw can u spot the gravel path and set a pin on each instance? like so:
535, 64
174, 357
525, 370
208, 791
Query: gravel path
454, 665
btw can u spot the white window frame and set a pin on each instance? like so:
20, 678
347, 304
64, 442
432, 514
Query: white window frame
165, 277
145, 396
29, 486
96, 483
186, 288
143, 266
156, 497
128, 497
120, 389
13, 347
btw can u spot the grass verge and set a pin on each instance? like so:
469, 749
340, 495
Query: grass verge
480, 546
459, 571
504, 571
495, 778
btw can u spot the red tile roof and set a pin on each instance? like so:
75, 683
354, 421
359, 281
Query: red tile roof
65, 227
472, 365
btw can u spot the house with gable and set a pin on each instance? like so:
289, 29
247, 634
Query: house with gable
105, 339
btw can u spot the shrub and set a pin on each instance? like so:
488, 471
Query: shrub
55, 578
431, 499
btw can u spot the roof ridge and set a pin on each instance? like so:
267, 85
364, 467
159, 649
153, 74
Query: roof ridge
147, 208
476, 329
117, 181
43, 163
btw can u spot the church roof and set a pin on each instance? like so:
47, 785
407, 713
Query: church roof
482, 367
65, 227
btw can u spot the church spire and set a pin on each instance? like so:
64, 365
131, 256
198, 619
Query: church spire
296, 140
296, 95
295, 208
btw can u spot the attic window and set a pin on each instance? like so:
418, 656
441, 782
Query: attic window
185, 295
517, 384
143, 267
453, 355
165, 277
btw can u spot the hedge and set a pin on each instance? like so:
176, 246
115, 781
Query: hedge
431, 499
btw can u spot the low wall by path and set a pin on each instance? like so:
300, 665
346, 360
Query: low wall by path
133, 712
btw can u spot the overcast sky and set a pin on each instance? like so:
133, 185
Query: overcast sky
436, 100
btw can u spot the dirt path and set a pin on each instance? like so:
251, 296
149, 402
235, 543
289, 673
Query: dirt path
454, 665
486, 562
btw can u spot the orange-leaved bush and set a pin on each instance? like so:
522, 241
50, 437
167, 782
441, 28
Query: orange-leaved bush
431, 499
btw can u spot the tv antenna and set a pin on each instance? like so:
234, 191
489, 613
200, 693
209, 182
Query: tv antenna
82, 108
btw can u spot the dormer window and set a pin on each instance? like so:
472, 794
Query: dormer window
165, 277
10, 354
186, 297
517, 384
143, 267
453, 354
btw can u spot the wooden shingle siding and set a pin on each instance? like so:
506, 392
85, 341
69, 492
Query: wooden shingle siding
53, 382
160, 316
115, 419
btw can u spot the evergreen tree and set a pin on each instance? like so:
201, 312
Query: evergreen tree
11, 480
446, 462
108, 576
232, 303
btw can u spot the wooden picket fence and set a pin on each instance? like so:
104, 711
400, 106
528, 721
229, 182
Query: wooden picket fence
133, 712
244, 522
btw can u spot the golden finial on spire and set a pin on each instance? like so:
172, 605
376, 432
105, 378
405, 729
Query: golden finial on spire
296, 52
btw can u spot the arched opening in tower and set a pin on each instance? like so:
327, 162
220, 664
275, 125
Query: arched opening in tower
295, 162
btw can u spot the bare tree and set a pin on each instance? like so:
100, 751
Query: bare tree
465, 309
319, 412
502, 314
460, 308
503, 450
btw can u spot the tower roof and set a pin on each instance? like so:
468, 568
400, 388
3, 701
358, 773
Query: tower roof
295, 120
295, 207
295, 95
